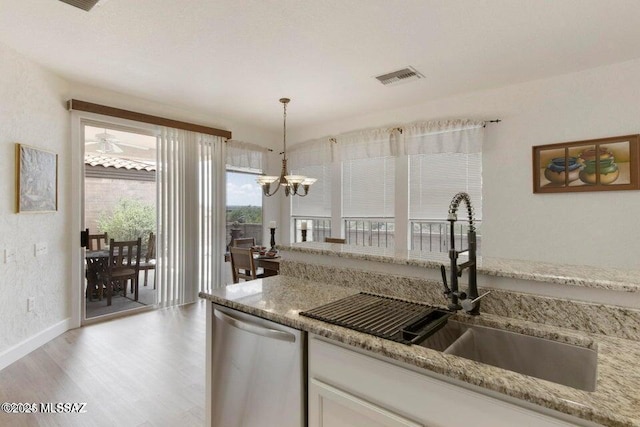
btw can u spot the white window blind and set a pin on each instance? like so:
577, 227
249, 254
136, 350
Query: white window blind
191, 214
435, 178
368, 188
318, 202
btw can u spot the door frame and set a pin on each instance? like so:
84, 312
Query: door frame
78, 121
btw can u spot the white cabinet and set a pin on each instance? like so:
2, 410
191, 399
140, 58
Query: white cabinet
332, 407
350, 388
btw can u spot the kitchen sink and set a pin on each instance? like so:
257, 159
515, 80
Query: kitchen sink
565, 364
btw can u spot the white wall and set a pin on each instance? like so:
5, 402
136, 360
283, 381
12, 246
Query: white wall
592, 228
32, 112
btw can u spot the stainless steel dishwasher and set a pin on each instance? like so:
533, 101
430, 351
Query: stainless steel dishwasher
256, 372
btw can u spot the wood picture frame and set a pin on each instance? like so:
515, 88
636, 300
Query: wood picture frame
36, 180
605, 164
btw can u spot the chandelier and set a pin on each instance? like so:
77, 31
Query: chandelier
293, 184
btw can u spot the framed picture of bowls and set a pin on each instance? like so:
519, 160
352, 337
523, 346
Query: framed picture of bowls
604, 164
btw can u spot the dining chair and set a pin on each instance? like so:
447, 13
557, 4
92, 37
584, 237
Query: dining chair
242, 264
334, 240
245, 242
123, 266
97, 242
149, 262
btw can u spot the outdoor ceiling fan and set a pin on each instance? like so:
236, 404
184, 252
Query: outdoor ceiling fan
108, 143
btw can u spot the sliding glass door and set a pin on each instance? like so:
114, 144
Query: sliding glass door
119, 206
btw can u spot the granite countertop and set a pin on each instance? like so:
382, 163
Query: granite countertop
576, 275
615, 401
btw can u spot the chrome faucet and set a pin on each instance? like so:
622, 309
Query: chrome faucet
470, 301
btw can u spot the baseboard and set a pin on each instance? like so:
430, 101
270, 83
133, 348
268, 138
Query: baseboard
25, 347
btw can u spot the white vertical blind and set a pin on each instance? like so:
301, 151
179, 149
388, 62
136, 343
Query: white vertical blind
435, 178
191, 214
212, 212
368, 188
318, 202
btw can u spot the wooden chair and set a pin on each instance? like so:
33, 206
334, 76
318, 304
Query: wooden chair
149, 262
242, 264
95, 242
245, 242
123, 266
334, 240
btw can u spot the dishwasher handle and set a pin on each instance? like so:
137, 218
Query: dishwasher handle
253, 328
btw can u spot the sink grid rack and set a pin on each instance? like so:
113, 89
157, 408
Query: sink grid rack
384, 317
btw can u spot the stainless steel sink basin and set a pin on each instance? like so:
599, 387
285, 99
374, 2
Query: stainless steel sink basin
549, 360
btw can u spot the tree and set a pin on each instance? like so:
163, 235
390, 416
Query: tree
244, 214
129, 220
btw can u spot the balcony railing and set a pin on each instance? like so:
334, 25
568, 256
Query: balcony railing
369, 232
317, 229
434, 236
426, 235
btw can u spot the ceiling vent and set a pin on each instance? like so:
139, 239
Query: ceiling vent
405, 75
86, 5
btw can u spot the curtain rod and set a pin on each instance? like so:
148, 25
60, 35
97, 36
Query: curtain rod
77, 105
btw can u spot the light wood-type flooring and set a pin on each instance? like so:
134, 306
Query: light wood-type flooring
145, 370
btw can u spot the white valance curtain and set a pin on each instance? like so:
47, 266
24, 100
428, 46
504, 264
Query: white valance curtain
424, 137
435, 137
310, 153
245, 155
366, 144
191, 231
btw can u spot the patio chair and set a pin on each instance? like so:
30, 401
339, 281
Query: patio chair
97, 242
123, 266
149, 262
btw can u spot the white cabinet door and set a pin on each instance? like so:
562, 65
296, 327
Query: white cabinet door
332, 407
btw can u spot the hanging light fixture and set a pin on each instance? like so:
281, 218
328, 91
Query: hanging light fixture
293, 184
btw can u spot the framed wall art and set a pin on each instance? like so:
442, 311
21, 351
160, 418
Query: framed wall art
36, 180
594, 165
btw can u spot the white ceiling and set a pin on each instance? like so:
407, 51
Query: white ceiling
235, 58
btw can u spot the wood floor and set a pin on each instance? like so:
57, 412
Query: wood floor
142, 370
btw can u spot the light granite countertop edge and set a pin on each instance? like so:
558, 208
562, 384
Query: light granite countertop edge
507, 268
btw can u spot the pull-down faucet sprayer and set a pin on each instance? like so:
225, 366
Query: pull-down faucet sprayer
460, 300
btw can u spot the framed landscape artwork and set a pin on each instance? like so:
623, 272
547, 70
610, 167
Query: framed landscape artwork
36, 180
594, 165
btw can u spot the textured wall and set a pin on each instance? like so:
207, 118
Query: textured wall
32, 112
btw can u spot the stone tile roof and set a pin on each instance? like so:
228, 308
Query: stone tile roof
117, 163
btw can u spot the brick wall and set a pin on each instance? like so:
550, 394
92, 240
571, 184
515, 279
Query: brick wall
102, 194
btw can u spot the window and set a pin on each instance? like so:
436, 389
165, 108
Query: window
244, 206
433, 181
368, 201
244, 162
315, 207
390, 179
